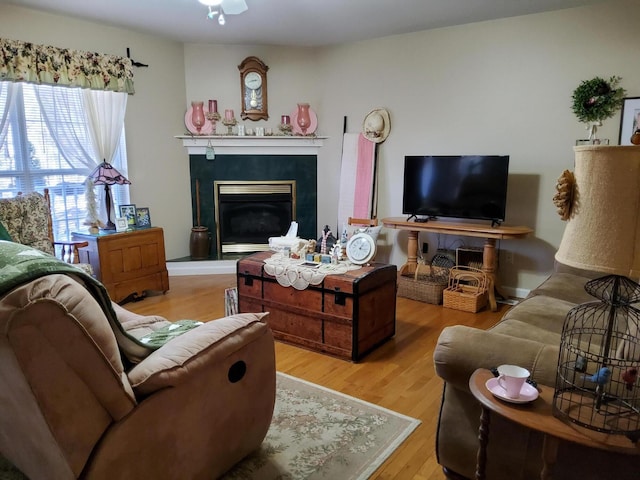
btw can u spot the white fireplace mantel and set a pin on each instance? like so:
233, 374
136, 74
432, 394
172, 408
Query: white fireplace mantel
252, 145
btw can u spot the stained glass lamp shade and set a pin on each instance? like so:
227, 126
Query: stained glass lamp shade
105, 174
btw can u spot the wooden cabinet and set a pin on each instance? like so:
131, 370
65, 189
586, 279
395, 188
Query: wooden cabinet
345, 316
127, 263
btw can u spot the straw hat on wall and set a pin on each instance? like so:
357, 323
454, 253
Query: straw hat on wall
377, 125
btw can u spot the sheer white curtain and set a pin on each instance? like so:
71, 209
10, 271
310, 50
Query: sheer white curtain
105, 112
57, 105
6, 99
97, 139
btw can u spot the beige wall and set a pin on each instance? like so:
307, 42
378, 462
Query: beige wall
499, 87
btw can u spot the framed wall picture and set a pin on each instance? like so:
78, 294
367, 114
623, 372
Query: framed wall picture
629, 119
129, 212
143, 217
121, 224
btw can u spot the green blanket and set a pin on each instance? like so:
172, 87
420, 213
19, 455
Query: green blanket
20, 264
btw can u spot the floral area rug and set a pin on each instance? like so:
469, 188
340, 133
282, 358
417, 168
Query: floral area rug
316, 433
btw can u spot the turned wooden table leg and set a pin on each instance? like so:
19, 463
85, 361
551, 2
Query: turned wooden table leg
489, 262
409, 268
549, 456
483, 437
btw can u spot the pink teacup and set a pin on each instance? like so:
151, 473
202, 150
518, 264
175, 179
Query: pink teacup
512, 378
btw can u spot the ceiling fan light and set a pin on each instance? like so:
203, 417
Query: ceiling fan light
212, 13
221, 19
210, 3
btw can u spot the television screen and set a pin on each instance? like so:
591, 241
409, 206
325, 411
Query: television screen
462, 186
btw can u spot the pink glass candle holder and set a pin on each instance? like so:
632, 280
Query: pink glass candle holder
304, 119
197, 116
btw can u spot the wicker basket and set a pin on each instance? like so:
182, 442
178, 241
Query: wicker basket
467, 289
425, 285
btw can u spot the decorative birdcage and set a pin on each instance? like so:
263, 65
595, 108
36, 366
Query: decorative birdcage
597, 379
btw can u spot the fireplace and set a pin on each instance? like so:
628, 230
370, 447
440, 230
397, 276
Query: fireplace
247, 213
288, 163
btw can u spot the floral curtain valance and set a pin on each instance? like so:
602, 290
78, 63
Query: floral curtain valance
44, 64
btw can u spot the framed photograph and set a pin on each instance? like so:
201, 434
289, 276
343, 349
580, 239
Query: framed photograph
129, 212
629, 120
121, 224
143, 217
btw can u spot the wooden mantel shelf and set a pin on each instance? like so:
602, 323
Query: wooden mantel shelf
252, 145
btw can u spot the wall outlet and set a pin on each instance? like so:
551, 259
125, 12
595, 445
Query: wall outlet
508, 256
425, 247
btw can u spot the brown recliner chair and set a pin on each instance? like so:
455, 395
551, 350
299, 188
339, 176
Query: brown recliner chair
70, 407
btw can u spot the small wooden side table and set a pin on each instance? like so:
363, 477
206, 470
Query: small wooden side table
127, 263
538, 416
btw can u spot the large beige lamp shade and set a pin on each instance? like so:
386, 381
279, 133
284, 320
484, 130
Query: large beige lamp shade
603, 232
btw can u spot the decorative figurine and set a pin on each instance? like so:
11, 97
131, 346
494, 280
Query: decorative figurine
601, 377
336, 253
311, 248
630, 376
581, 364
326, 241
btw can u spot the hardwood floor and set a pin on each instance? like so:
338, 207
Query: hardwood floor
399, 375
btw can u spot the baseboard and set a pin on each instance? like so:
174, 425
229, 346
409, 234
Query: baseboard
512, 292
219, 267
201, 267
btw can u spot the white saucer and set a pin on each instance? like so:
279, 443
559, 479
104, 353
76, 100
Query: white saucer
527, 394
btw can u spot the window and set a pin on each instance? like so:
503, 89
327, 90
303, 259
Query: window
34, 156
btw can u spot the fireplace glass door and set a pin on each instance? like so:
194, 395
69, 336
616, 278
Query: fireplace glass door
249, 212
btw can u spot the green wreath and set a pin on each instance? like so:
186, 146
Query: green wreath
597, 99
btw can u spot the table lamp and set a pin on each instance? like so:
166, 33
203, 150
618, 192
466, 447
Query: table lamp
603, 230
105, 174
596, 382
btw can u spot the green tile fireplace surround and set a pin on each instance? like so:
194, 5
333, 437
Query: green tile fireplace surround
255, 159
252, 167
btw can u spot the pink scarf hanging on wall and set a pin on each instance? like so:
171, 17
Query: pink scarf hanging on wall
357, 178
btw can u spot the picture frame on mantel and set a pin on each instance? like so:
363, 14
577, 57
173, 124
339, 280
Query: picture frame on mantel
629, 119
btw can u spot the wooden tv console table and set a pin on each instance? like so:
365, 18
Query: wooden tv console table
489, 233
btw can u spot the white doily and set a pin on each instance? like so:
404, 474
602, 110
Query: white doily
290, 272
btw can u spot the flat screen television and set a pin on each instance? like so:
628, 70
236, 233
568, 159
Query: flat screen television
459, 186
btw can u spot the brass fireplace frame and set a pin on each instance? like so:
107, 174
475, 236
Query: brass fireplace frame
247, 187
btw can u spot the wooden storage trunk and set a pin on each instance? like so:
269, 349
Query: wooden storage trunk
345, 316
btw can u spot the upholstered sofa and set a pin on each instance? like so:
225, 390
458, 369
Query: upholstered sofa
88, 391
527, 335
